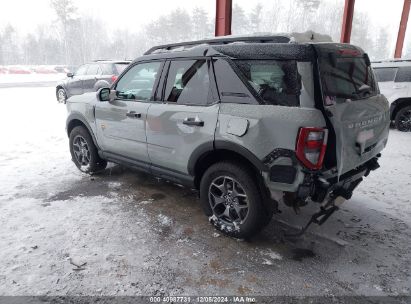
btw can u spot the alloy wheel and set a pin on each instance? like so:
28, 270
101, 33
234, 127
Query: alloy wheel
404, 121
81, 150
228, 200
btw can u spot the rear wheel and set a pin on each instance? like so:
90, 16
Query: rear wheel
403, 119
231, 198
83, 151
61, 95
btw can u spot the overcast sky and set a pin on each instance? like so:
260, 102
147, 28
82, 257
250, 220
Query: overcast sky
25, 15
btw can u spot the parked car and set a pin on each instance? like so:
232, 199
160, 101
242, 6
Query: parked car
19, 70
3, 70
89, 78
394, 79
248, 121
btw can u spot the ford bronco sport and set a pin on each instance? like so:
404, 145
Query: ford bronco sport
248, 121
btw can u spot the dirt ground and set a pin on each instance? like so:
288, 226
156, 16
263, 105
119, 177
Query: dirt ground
132, 234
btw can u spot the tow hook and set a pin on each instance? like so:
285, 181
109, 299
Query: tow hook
334, 200
318, 218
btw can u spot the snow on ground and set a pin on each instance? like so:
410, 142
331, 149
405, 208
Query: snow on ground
141, 236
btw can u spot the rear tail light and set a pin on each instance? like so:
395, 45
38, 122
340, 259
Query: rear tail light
311, 146
113, 78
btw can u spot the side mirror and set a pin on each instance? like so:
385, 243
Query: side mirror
103, 94
70, 74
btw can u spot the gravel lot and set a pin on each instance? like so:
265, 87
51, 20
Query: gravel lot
137, 235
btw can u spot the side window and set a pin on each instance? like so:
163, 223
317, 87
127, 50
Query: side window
188, 82
403, 74
385, 74
107, 69
82, 70
230, 86
276, 82
93, 69
138, 82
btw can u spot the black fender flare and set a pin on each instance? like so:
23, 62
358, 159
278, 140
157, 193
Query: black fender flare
397, 105
209, 147
83, 120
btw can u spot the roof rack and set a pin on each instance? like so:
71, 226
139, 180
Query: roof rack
217, 41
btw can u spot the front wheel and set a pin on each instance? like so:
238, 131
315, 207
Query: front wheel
403, 119
83, 151
230, 196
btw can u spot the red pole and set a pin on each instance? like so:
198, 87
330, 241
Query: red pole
402, 29
347, 21
223, 17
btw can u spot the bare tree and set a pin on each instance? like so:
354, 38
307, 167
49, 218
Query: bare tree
65, 11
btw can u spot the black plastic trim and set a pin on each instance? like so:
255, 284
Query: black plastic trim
227, 145
77, 116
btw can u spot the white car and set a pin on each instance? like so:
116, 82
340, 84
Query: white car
394, 80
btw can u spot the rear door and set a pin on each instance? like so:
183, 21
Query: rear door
402, 83
184, 119
385, 77
357, 111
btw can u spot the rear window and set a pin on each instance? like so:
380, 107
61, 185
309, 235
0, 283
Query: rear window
120, 67
275, 82
403, 74
385, 74
346, 78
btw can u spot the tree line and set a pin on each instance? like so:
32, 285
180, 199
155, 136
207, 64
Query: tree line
73, 39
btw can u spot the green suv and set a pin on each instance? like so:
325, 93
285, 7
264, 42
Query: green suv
251, 122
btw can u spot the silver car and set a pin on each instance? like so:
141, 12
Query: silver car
251, 122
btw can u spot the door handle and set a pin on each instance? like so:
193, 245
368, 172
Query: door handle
133, 114
193, 121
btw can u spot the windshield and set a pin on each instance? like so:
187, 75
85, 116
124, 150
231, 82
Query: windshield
274, 81
346, 78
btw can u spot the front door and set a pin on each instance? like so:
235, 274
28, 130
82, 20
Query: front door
91, 77
75, 84
121, 124
185, 120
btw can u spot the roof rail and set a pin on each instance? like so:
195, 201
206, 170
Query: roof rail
223, 40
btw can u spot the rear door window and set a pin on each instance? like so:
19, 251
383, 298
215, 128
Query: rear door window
107, 69
275, 82
403, 74
385, 74
346, 78
188, 82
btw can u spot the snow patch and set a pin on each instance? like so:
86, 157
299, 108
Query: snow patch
271, 254
164, 220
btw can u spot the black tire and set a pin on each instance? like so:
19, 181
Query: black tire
61, 95
89, 161
258, 214
403, 119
